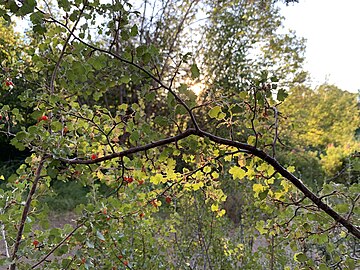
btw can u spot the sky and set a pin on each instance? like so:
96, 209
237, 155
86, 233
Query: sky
332, 30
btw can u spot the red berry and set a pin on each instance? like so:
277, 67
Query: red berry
93, 156
120, 257
128, 179
9, 83
168, 199
43, 118
0, 117
141, 215
154, 203
36, 243
125, 263
104, 211
140, 182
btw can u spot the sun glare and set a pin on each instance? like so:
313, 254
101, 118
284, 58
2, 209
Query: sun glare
197, 88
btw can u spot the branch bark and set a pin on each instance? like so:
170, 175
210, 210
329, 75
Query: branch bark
25, 213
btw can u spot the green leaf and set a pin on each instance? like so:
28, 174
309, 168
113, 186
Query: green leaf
150, 96
263, 194
90, 244
323, 267
100, 235
281, 95
195, 72
125, 79
21, 135
134, 31
146, 57
39, 28
260, 226
214, 112
243, 94
300, 257
56, 126
342, 208
161, 121
27, 7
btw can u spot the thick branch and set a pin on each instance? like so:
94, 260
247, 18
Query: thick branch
133, 150
288, 175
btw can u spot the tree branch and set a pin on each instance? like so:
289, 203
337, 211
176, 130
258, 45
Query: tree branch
26, 212
289, 176
133, 150
58, 245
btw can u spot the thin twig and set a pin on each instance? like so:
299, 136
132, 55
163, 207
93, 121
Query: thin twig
57, 66
58, 245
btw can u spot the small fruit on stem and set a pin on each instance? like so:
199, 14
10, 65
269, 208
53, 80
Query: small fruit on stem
140, 182
168, 199
128, 179
36, 243
43, 118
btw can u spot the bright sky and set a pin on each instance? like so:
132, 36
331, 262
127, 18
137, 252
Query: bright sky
332, 30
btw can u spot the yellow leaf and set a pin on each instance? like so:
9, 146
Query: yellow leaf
170, 173
270, 181
197, 186
250, 173
207, 169
260, 227
99, 175
158, 203
215, 175
257, 188
237, 172
214, 207
291, 169
286, 185
221, 213
241, 162
251, 140
187, 186
279, 195
157, 179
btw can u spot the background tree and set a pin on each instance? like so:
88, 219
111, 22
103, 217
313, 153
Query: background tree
122, 121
